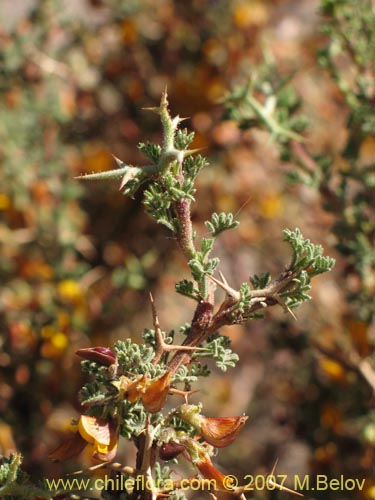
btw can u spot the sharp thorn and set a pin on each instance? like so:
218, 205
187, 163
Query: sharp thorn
223, 278
235, 294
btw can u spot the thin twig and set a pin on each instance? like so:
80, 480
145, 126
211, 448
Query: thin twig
350, 360
161, 346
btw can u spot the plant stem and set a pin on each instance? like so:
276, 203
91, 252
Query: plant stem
201, 330
185, 232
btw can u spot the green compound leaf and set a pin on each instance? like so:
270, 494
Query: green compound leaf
221, 222
218, 350
306, 254
260, 281
187, 288
151, 151
183, 139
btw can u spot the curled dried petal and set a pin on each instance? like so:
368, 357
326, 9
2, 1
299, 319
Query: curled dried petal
135, 389
209, 471
130, 389
156, 393
69, 448
221, 431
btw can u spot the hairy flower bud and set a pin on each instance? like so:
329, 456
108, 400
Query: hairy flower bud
171, 450
190, 414
101, 355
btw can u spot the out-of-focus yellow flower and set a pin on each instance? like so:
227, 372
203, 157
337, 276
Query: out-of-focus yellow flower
55, 342
226, 202
69, 290
333, 369
271, 205
331, 417
359, 333
7, 444
129, 32
37, 269
326, 454
367, 151
63, 320
47, 331
250, 13
4, 201
67, 101
97, 157
59, 340
215, 51
370, 492
214, 90
22, 336
369, 433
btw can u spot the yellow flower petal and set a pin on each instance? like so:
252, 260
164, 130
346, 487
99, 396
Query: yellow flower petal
94, 430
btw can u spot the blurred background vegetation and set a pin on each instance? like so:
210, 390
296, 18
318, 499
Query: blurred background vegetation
78, 261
